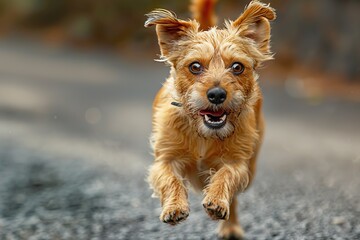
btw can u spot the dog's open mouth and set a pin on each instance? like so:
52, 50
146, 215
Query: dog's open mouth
214, 119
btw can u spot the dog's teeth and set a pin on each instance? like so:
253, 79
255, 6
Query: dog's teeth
207, 118
212, 120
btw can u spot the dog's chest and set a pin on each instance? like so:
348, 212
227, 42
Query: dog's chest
201, 150
204, 156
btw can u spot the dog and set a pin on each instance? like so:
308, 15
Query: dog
207, 120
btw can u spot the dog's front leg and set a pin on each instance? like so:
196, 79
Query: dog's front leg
220, 197
169, 186
223, 185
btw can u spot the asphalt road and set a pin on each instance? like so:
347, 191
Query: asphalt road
74, 153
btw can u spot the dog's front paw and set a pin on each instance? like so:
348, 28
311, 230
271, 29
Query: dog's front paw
216, 208
174, 214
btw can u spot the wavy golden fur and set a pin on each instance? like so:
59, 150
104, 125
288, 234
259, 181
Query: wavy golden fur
188, 147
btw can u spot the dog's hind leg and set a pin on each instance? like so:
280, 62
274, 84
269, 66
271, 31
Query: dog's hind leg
231, 229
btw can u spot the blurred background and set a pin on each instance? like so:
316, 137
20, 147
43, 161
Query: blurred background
77, 81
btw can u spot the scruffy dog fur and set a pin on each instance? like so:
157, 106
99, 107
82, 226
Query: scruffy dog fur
207, 118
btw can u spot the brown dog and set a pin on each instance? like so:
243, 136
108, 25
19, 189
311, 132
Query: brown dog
207, 119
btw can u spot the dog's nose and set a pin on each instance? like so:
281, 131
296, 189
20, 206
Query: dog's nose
216, 95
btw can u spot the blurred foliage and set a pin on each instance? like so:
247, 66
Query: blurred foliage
108, 22
322, 34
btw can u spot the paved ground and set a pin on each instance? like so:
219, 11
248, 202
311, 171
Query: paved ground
74, 153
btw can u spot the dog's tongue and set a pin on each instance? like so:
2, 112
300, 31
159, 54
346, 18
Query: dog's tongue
218, 113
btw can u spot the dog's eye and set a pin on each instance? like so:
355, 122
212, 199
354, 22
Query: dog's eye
237, 68
196, 68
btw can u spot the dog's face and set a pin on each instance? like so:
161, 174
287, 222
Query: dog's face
213, 72
214, 78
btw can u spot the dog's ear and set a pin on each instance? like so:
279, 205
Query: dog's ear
254, 24
169, 29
